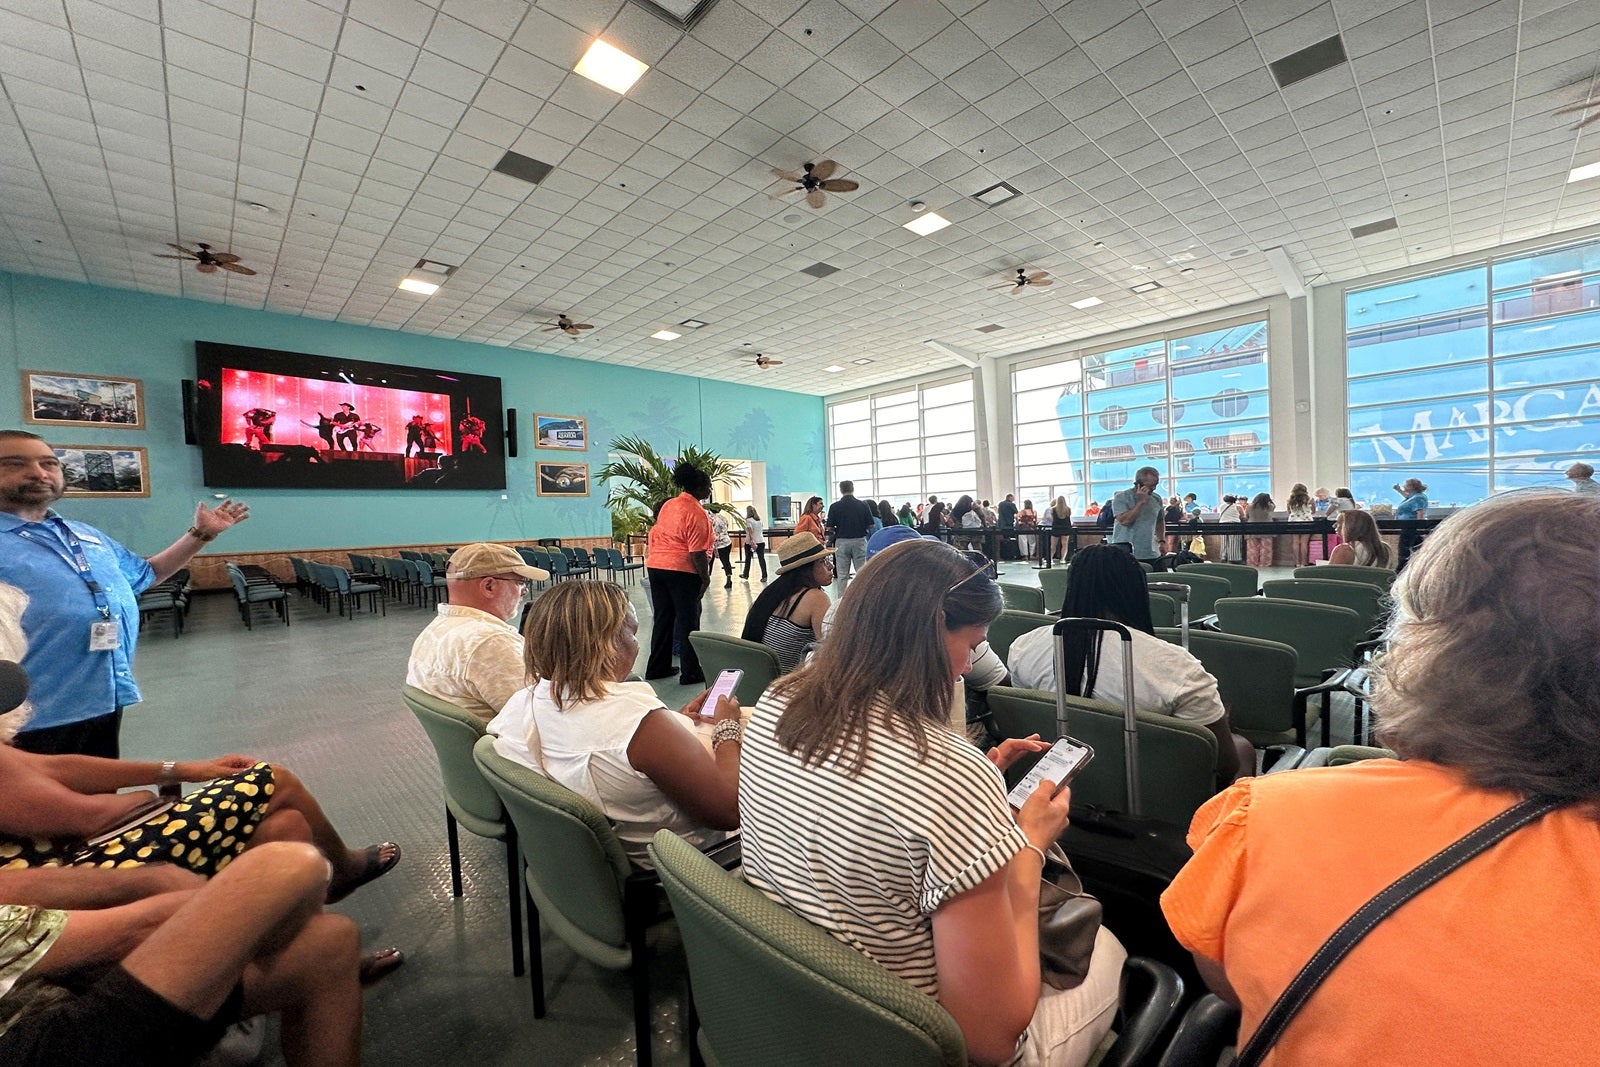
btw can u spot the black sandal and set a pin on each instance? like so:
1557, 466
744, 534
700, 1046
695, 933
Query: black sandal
376, 867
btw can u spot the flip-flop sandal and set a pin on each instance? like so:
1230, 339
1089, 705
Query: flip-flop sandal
376, 965
376, 867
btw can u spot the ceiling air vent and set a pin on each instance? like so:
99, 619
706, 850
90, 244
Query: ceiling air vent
523, 167
991, 328
820, 270
1313, 59
1367, 229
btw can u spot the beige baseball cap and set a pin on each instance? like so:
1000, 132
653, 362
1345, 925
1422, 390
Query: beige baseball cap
484, 559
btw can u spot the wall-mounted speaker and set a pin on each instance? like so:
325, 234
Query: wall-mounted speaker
191, 434
511, 432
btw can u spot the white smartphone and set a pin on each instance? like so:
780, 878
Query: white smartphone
722, 687
1060, 765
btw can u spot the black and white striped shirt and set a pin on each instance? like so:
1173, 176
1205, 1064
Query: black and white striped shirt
870, 859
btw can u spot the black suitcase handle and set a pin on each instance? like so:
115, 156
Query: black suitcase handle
1130, 722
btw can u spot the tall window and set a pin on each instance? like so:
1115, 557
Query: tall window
1475, 380
903, 445
1192, 405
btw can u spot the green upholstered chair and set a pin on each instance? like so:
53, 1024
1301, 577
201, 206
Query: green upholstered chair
1054, 584
1341, 755
1363, 598
822, 1002
1255, 678
1163, 610
1005, 630
1381, 577
1323, 636
1177, 759
1244, 581
720, 652
1204, 589
579, 880
248, 596
468, 799
1023, 597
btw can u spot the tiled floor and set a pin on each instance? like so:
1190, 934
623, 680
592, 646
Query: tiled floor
322, 697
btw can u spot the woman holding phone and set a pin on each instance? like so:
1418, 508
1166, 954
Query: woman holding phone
937, 878
610, 740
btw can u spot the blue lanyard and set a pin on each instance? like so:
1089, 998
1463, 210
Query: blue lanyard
77, 560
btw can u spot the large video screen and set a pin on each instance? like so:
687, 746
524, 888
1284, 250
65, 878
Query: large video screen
271, 418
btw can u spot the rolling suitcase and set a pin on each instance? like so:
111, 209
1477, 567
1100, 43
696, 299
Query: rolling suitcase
1124, 858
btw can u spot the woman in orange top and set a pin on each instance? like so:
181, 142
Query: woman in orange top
810, 520
678, 561
1490, 693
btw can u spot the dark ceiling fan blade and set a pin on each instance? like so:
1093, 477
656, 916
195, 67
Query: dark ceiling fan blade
224, 257
781, 193
1037, 277
824, 169
186, 251
570, 332
235, 268
1585, 106
1040, 283
1016, 290
816, 198
169, 255
786, 175
205, 268
841, 185
582, 326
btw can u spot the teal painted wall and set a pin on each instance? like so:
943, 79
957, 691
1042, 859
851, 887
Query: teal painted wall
65, 327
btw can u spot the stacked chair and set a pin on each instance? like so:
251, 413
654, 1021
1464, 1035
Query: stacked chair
171, 595
253, 590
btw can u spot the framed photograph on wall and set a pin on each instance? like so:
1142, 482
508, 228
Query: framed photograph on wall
104, 470
566, 432
81, 400
563, 479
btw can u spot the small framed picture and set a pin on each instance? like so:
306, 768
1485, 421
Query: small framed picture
566, 432
80, 400
563, 479
101, 470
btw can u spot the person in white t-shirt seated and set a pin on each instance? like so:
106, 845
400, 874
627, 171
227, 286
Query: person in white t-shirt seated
612, 741
1107, 583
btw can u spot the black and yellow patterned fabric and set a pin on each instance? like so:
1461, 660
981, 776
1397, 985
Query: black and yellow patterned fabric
202, 832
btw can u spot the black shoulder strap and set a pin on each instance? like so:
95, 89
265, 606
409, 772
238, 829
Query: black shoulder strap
1376, 910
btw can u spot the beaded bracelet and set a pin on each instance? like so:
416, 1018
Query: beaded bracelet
725, 731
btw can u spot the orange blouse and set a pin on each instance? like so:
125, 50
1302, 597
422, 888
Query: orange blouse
810, 524
682, 531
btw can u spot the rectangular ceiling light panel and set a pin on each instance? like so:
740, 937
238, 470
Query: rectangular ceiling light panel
610, 67
930, 222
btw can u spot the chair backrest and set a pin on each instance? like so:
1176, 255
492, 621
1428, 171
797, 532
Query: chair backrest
1177, 759
359, 562
570, 553
576, 866
301, 571
424, 571
581, 555
1012, 624
1053, 581
236, 576
556, 564
1023, 597
406, 553
531, 557
599, 560
1381, 577
453, 732
1204, 589
340, 577
1363, 598
1321, 635
1163, 610
1244, 581
820, 1000
1255, 679
720, 652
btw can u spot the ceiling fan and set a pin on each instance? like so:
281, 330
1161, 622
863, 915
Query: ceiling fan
763, 362
1591, 103
566, 326
815, 182
1038, 279
205, 260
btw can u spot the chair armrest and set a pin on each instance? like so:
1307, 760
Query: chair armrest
1207, 622
727, 853
1375, 645
1288, 758
1209, 1028
1151, 993
1317, 757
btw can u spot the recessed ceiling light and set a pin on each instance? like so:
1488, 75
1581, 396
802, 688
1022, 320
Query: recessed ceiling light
930, 222
1591, 170
693, 324
1087, 302
835, 369
1187, 270
1098, 244
1146, 287
611, 67
861, 362
998, 193
257, 206
417, 285
426, 277
666, 335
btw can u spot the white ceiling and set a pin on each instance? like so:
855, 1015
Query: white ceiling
1153, 127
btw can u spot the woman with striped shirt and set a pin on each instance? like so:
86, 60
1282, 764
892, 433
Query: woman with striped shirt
787, 616
864, 812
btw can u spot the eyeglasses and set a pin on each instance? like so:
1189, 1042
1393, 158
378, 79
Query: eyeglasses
519, 579
979, 561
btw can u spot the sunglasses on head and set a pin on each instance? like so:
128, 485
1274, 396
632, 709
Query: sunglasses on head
982, 565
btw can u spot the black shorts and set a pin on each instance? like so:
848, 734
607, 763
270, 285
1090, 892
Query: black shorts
114, 1019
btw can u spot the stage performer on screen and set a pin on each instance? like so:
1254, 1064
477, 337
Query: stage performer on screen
345, 422
368, 431
324, 428
258, 426
471, 430
414, 435
430, 440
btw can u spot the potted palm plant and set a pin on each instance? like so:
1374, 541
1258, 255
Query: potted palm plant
640, 481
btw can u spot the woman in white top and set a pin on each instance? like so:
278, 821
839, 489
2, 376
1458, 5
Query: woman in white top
611, 741
1300, 509
1229, 511
755, 542
1362, 545
1107, 583
869, 816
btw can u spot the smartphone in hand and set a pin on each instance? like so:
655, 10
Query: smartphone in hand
722, 687
1060, 765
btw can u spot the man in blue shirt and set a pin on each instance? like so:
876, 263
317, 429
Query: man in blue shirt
1140, 522
82, 617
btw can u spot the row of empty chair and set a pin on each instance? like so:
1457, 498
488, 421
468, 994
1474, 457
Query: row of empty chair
171, 597
328, 585
563, 562
254, 587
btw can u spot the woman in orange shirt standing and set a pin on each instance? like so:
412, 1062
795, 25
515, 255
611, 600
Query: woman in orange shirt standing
678, 561
1490, 694
810, 520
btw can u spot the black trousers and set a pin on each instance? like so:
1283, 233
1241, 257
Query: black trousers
760, 553
724, 554
675, 600
1410, 540
87, 737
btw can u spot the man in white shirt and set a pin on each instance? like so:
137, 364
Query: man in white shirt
1140, 522
1582, 478
470, 654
